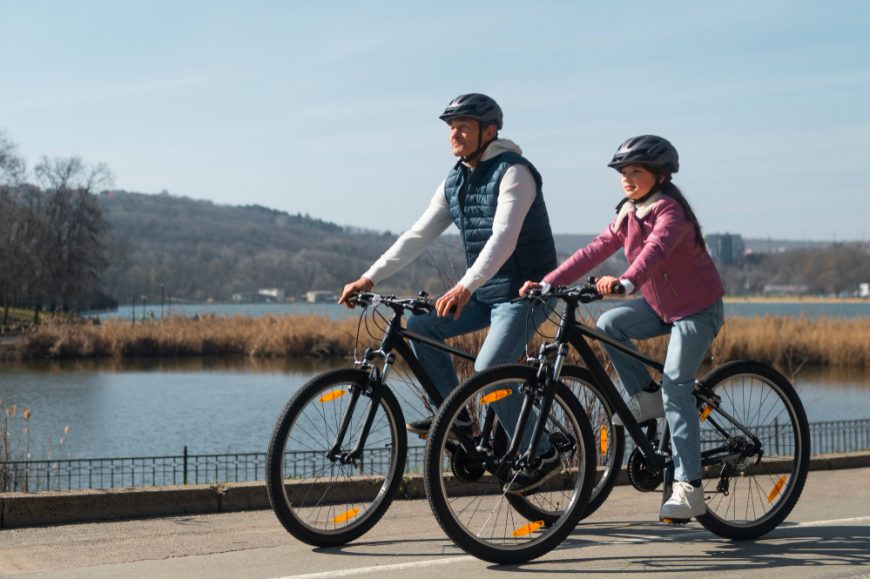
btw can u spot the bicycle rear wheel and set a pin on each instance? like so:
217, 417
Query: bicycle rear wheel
320, 498
608, 440
608, 444
465, 478
751, 487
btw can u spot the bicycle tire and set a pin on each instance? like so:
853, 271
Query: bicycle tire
322, 501
608, 441
474, 513
767, 489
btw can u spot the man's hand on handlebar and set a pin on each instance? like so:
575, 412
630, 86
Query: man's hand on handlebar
452, 302
363, 284
541, 288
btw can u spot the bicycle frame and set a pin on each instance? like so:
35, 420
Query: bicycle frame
576, 335
396, 339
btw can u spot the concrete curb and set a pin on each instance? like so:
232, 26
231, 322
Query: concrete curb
63, 507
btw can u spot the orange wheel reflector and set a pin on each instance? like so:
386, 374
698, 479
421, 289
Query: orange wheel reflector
706, 412
497, 395
329, 397
346, 516
528, 529
667, 520
602, 440
777, 488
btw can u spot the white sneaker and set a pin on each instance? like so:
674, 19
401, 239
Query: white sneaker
686, 502
644, 406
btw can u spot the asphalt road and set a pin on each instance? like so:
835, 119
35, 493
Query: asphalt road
827, 535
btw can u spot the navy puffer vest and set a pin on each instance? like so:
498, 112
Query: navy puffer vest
473, 196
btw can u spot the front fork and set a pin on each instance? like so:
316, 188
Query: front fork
374, 386
550, 378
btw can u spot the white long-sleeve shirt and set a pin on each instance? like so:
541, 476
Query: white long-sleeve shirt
516, 194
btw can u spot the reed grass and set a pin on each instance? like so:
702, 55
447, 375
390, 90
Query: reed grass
781, 341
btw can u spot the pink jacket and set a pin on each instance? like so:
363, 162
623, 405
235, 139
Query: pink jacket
675, 275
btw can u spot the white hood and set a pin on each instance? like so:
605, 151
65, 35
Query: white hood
499, 146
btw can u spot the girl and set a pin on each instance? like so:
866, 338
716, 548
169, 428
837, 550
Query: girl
681, 295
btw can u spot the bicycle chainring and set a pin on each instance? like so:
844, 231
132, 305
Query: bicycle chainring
564, 443
642, 477
465, 468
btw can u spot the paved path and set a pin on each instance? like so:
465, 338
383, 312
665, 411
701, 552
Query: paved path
828, 535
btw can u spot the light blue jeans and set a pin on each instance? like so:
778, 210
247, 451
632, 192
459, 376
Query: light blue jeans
690, 339
510, 329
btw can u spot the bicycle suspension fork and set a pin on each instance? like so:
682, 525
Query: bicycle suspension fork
374, 387
543, 389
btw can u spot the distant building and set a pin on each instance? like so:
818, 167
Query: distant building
785, 289
317, 296
726, 248
271, 294
864, 290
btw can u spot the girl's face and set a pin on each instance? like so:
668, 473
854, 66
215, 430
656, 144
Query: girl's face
637, 181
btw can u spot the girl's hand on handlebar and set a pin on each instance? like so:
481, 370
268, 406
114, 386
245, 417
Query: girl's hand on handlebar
529, 286
363, 284
607, 284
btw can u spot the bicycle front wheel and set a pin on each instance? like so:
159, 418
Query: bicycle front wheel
465, 471
320, 492
754, 475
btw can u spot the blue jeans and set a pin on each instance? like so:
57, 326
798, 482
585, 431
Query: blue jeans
510, 329
690, 338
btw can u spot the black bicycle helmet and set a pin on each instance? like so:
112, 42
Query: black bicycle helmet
474, 106
648, 150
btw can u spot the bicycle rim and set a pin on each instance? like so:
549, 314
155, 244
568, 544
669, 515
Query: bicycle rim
608, 441
760, 488
329, 501
468, 498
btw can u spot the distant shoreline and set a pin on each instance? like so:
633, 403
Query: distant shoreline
793, 300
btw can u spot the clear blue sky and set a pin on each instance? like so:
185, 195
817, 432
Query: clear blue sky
330, 108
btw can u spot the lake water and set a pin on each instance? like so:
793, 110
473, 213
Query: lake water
149, 407
331, 310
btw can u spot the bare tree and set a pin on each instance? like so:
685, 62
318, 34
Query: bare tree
12, 167
12, 238
70, 229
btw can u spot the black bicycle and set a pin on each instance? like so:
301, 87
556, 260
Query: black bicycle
755, 444
337, 454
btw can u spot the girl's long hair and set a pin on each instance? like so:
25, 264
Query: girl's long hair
671, 190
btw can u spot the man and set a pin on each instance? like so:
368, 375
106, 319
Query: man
493, 195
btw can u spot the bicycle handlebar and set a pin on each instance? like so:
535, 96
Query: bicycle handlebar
583, 293
419, 305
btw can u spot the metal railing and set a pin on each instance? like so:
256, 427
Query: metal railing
101, 473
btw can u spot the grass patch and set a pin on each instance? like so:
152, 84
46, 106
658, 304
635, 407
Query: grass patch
782, 341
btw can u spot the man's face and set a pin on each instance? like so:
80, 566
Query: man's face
464, 136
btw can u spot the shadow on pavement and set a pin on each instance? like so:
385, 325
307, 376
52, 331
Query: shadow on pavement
370, 548
786, 548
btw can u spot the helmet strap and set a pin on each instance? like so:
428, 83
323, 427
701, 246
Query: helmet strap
481, 148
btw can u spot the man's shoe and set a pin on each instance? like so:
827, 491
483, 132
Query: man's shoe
530, 478
644, 406
686, 501
421, 427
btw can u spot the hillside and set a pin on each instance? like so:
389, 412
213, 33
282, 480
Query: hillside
199, 250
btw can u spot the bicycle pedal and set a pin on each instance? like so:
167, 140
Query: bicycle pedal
669, 521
